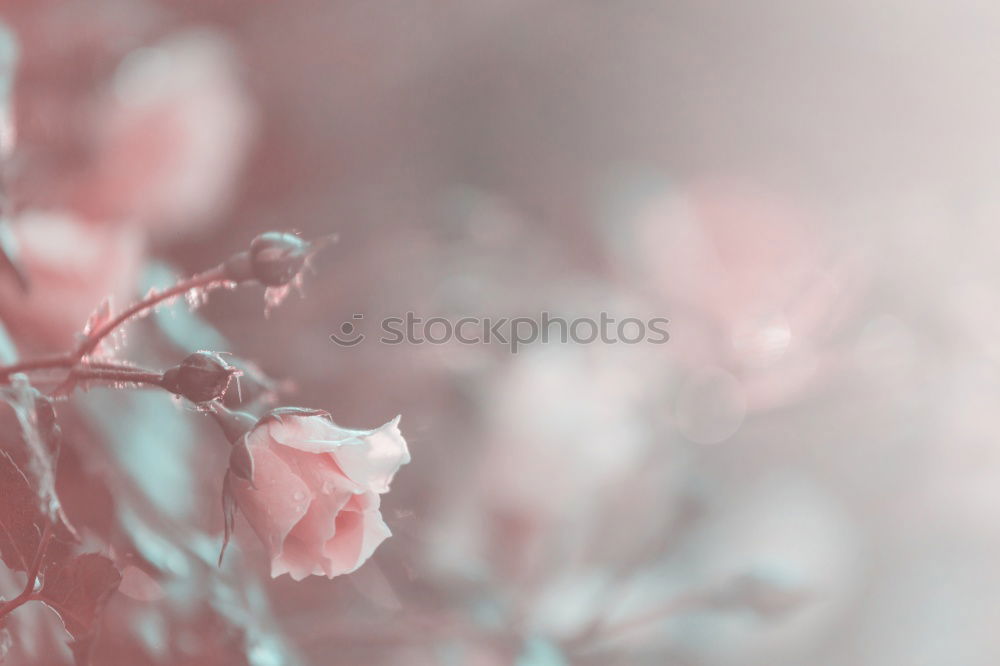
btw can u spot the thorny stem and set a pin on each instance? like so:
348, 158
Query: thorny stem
121, 375
62, 362
113, 365
29, 587
206, 280
44, 363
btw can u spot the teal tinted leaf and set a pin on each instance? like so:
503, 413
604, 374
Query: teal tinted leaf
78, 589
21, 519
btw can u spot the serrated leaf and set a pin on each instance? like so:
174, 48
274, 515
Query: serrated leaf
21, 519
77, 589
30, 542
38, 445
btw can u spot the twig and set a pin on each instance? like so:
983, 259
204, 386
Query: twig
209, 279
206, 280
36, 566
116, 375
44, 363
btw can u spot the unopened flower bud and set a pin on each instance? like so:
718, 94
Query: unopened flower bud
200, 377
237, 267
276, 257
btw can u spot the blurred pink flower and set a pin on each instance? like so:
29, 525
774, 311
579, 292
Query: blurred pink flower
569, 449
316, 501
752, 287
169, 140
73, 266
172, 136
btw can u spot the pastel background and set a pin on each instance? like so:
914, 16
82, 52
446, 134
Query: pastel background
807, 473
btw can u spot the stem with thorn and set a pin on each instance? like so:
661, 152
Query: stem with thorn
44, 363
206, 280
118, 375
209, 279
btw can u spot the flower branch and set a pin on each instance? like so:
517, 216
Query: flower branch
117, 376
44, 363
206, 280
274, 260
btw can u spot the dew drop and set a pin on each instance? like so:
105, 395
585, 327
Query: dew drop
196, 297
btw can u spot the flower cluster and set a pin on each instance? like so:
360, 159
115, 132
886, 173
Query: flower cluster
121, 135
309, 488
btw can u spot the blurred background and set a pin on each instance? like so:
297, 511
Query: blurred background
806, 473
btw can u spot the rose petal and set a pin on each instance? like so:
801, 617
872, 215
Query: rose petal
315, 434
319, 471
358, 534
368, 457
376, 462
279, 502
302, 551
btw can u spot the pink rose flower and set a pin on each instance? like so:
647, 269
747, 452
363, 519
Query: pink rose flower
173, 136
314, 500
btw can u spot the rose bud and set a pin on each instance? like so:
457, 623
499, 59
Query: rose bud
314, 498
274, 259
200, 377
